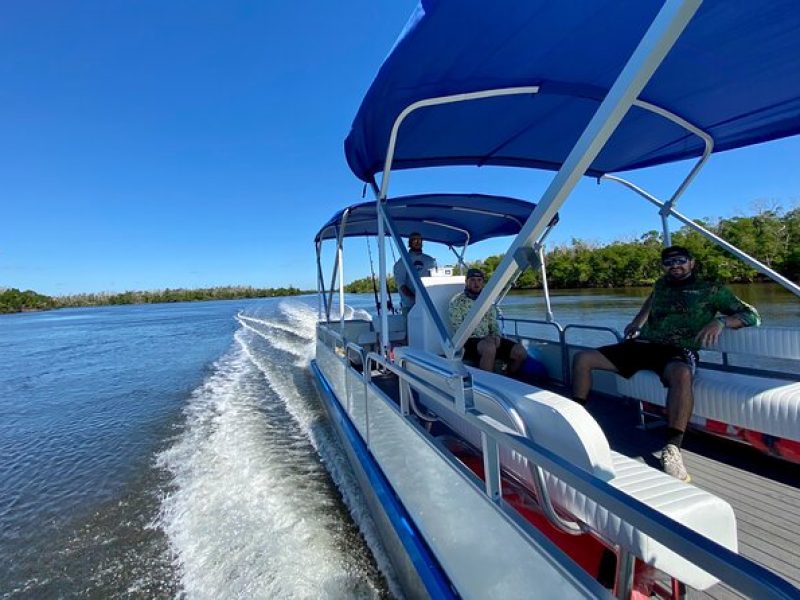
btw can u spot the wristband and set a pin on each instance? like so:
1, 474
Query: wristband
723, 321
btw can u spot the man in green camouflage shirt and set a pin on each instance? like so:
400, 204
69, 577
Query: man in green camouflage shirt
681, 315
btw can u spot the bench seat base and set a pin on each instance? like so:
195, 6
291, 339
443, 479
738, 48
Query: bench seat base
761, 411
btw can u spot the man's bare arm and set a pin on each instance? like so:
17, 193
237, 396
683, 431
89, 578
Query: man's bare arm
632, 328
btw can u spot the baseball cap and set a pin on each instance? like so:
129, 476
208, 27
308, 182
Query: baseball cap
675, 251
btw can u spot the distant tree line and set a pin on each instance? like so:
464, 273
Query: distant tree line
12, 300
367, 285
772, 236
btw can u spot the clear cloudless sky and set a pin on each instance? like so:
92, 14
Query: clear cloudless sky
149, 144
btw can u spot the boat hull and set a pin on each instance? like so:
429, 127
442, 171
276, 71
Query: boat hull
414, 567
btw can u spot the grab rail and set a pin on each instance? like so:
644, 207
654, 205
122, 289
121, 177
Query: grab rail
566, 373
572, 527
737, 571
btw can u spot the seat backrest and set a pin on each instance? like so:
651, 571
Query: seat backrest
421, 331
559, 424
775, 342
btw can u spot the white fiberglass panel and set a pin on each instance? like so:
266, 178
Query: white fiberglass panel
333, 368
357, 401
484, 555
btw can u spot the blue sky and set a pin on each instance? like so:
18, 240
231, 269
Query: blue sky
152, 144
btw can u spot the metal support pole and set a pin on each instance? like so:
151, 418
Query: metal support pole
625, 572
491, 467
545, 288
322, 303
423, 297
463, 392
665, 229
381, 241
662, 34
341, 288
333, 284
708, 143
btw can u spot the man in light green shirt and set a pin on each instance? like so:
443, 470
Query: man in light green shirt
485, 344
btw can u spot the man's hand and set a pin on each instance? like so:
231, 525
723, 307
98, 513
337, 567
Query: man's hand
631, 330
709, 334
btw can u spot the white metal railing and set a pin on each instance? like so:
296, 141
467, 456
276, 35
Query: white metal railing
564, 346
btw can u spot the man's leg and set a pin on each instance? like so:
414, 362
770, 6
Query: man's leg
680, 403
680, 399
516, 358
487, 348
582, 366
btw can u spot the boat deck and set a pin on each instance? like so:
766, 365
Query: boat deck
763, 491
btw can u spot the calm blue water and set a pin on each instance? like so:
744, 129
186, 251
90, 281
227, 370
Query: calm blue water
175, 450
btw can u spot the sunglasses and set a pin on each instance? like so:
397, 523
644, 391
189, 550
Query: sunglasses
675, 260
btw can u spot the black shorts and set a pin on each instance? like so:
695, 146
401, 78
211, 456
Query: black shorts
503, 352
631, 356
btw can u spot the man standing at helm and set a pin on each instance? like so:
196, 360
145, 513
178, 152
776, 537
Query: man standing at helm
423, 265
681, 315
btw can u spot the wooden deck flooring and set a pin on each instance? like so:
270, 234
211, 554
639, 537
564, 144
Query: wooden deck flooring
764, 492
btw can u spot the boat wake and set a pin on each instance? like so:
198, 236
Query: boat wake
254, 509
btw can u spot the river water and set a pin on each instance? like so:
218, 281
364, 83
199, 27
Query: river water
174, 451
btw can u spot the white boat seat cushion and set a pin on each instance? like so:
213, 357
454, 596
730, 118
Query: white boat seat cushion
697, 509
763, 404
566, 428
775, 342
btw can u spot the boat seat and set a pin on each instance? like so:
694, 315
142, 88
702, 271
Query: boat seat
353, 329
567, 429
765, 404
369, 336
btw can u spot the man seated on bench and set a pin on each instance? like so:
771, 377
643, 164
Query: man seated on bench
486, 343
678, 317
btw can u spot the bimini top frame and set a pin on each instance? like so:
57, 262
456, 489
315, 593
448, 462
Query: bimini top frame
623, 73
450, 219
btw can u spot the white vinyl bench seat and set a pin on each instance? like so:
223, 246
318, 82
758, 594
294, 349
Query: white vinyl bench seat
566, 428
689, 505
764, 404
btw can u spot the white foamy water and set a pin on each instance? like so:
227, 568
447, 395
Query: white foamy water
253, 512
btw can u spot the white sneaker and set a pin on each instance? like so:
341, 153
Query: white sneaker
672, 463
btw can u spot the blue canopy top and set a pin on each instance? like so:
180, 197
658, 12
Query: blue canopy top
452, 219
734, 73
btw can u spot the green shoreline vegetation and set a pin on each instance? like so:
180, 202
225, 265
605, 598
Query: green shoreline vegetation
771, 236
12, 300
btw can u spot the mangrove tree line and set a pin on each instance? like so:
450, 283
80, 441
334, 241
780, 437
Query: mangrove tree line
772, 236
12, 300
